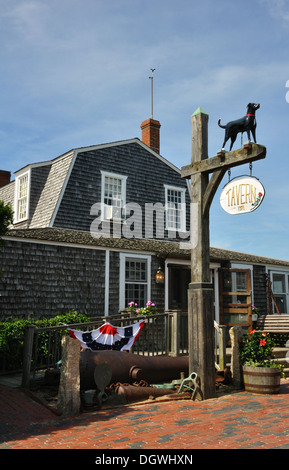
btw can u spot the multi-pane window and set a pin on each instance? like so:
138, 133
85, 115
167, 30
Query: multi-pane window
113, 194
175, 209
22, 197
136, 281
280, 288
112, 191
235, 284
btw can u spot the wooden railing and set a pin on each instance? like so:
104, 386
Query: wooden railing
39, 354
163, 334
220, 346
178, 332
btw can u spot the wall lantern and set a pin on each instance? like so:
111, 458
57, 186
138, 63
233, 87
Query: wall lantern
160, 276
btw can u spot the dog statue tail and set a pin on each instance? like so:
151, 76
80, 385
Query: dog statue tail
220, 125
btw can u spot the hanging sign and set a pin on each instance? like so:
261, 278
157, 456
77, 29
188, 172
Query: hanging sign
242, 195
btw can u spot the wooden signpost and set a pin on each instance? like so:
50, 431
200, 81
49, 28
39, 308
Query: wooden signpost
200, 292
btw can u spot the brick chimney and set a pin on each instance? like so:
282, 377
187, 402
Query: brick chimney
151, 134
4, 177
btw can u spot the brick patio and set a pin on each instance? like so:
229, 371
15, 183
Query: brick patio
235, 421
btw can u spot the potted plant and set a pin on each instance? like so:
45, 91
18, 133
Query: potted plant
255, 313
149, 309
153, 330
261, 373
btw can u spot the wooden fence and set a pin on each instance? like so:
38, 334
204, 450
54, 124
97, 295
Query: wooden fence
163, 334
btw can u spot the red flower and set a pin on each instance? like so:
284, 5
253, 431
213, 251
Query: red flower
251, 332
262, 342
260, 194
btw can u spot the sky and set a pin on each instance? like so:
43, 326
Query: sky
76, 73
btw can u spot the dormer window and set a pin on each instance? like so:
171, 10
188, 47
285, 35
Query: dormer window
175, 208
113, 195
21, 196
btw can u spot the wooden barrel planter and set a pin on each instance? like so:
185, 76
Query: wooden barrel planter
265, 380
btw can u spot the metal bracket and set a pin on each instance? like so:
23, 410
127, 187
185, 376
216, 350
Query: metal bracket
193, 386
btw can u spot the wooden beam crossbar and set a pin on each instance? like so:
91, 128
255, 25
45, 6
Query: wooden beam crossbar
247, 154
218, 167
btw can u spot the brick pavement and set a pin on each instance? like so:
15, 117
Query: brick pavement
234, 421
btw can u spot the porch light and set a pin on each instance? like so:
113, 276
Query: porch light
160, 276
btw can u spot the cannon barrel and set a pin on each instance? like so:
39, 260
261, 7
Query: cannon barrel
130, 393
128, 367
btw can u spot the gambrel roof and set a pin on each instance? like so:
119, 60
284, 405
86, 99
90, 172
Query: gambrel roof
49, 179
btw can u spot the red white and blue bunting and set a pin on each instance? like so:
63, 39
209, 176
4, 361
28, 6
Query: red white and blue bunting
108, 337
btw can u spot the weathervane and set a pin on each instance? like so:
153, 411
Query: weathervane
152, 89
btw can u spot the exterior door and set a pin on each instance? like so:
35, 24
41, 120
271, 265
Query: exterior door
235, 298
179, 279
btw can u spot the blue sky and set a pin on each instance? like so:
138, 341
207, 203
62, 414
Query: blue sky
76, 73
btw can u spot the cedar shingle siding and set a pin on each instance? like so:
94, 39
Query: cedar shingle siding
50, 262
46, 280
146, 177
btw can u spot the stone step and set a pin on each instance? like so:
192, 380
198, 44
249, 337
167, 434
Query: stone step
282, 356
281, 352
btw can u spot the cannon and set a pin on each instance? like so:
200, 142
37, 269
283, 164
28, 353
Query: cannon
101, 368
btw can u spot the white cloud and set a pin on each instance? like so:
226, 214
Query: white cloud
277, 8
27, 18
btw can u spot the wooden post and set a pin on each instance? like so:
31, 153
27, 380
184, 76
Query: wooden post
222, 347
175, 333
27, 355
235, 334
69, 387
200, 292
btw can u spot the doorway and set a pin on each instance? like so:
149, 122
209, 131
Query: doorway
179, 279
236, 298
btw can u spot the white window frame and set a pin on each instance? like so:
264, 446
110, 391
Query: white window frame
107, 212
285, 273
18, 180
182, 227
122, 281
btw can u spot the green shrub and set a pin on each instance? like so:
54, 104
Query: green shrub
256, 350
280, 339
12, 338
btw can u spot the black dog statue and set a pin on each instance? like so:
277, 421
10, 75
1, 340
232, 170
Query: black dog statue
245, 124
